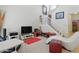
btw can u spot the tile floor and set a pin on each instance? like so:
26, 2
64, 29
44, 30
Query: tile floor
37, 47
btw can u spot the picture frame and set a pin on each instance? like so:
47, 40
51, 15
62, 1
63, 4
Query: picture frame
44, 10
59, 15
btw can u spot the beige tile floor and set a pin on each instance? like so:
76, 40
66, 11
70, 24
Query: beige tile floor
37, 47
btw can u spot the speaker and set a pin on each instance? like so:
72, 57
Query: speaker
4, 33
13, 33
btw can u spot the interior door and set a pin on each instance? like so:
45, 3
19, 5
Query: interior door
74, 26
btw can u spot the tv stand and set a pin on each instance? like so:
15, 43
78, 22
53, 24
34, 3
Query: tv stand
24, 36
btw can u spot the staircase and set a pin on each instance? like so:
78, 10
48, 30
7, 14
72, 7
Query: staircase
49, 28
52, 26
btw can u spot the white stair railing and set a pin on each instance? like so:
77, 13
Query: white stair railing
53, 27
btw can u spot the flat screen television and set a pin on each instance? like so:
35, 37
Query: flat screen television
26, 29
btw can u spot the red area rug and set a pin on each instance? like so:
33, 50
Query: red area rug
31, 40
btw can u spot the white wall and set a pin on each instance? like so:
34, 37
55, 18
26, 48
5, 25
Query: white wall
17, 16
62, 24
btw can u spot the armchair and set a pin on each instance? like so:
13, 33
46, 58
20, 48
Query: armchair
70, 43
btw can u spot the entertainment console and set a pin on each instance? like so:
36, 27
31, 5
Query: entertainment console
27, 36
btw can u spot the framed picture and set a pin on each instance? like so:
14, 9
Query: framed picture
44, 10
59, 15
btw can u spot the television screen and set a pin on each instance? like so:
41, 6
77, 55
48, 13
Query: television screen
26, 29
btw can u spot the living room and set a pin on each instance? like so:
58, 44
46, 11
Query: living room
16, 20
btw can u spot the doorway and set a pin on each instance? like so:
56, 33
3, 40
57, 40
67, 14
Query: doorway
74, 22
